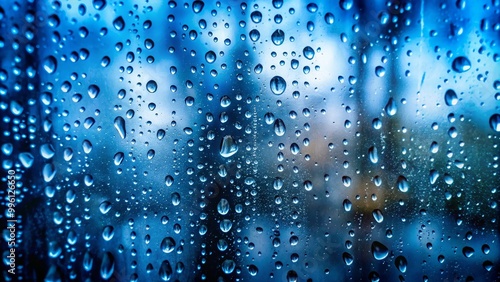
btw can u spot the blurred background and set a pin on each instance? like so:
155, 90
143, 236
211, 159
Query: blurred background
241, 141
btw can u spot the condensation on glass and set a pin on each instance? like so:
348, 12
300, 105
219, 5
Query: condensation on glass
263, 140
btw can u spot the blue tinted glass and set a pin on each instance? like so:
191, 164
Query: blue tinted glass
250, 141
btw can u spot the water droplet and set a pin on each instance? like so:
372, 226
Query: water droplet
373, 154
347, 205
294, 148
278, 85
450, 98
495, 122
380, 71
26, 159
391, 107
108, 232
308, 185
119, 24
120, 126
468, 251
107, 266
279, 127
223, 206
228, 146
167, 245
256, 16
461, 64
308, 52
379, 251
254, 35
378, 216
329, 18
346, 5
292, 276
48, 172
225, 225
278, 37
151, 86
50, 64
210, 57
433, 176
346, 180
198, 6
401, 263
93, 91
99, 4
403, 184
104, 207
228, 266
169, 180
348, 258
165, 271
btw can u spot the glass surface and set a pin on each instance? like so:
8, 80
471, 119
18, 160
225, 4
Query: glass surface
250, 141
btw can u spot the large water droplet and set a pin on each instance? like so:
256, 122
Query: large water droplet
278, 85
403, 184
223, 206
210, 57
107, 265
391, 107
151, 86
348, 258
468, 251
49, 64
167, 245
401, 263
378, 216
308, 52
450, 98
278, 37
495, 122
379, 251
120, 126
165, 271
119, 24
256, 16
228, 146
93, 91
228, 266
104, 207
279, 127
198, 6
329, 18
373, 154
461, 64
225, 225
108, 232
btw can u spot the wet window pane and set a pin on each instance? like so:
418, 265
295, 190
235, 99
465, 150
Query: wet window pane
250, 141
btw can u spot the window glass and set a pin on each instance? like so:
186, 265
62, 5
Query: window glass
246, 141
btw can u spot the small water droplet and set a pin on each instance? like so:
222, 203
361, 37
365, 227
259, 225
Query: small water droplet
279, 127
